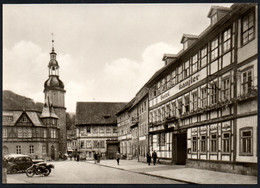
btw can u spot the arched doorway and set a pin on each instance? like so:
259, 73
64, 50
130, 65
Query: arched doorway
5, 150
52, 152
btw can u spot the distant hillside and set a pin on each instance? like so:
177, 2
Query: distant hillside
13, 101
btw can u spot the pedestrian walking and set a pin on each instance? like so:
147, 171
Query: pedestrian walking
148, 156
77, 157
154, 156
95, 157
118, 156
98, 157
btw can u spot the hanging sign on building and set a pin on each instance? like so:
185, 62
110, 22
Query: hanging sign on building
179, 87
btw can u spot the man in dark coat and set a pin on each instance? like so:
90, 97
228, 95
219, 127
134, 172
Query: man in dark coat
148, 156
154, 156
95, 157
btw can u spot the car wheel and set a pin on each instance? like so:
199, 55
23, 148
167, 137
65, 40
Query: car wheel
14, 171
48, 171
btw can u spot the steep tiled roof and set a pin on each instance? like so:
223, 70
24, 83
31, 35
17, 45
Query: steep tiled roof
33, 115
97, 112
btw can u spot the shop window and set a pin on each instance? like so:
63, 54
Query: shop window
161, 139
186, 70
204, 57
180, 74
214, 49
213, 93
195, 100
194, 144
31, 149
203, 143
213, 143
204, 97
227, 41
180, 104
246, 141
187, 103
226, 88
18, 150
226, 142
194, 63
247, 81
248, 28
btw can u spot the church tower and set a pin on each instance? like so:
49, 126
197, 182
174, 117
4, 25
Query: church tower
54, 93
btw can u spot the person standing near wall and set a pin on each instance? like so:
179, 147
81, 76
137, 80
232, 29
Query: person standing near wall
148, 156
118, 156
154, 156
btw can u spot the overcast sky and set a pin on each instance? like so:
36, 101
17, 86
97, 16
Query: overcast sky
106, 52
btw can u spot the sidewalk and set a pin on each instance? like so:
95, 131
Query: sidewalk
180, 173
14, 181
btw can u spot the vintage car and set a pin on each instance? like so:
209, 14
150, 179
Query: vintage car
19, 162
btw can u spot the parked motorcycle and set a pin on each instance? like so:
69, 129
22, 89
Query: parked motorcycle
39, 169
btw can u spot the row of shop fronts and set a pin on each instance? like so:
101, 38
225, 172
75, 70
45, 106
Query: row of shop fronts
200, 109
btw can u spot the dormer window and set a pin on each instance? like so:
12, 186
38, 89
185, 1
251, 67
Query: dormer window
185, 45
214, 19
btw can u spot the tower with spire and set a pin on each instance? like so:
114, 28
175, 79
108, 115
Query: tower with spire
54, 97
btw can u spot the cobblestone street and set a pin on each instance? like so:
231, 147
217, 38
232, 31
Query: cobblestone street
72, 172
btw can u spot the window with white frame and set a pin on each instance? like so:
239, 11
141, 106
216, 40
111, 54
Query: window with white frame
155, 116
214, 49
7, 118
88, 144
180, 74
214, 19
18, 150
226, 142
194, 141
173, 78
4, 132
248, 28
227, 40
44, 133
173, 104
194, 63
102, 144
226, 88
168, 81
213, 142
43, 148
163, 113
159, 114
88, 129
203, 140
195, 100
186, 70
204, 100
204, 56
31, 149
180, 104
247, 81
246, 141
167, 114
213, 93
187, 103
